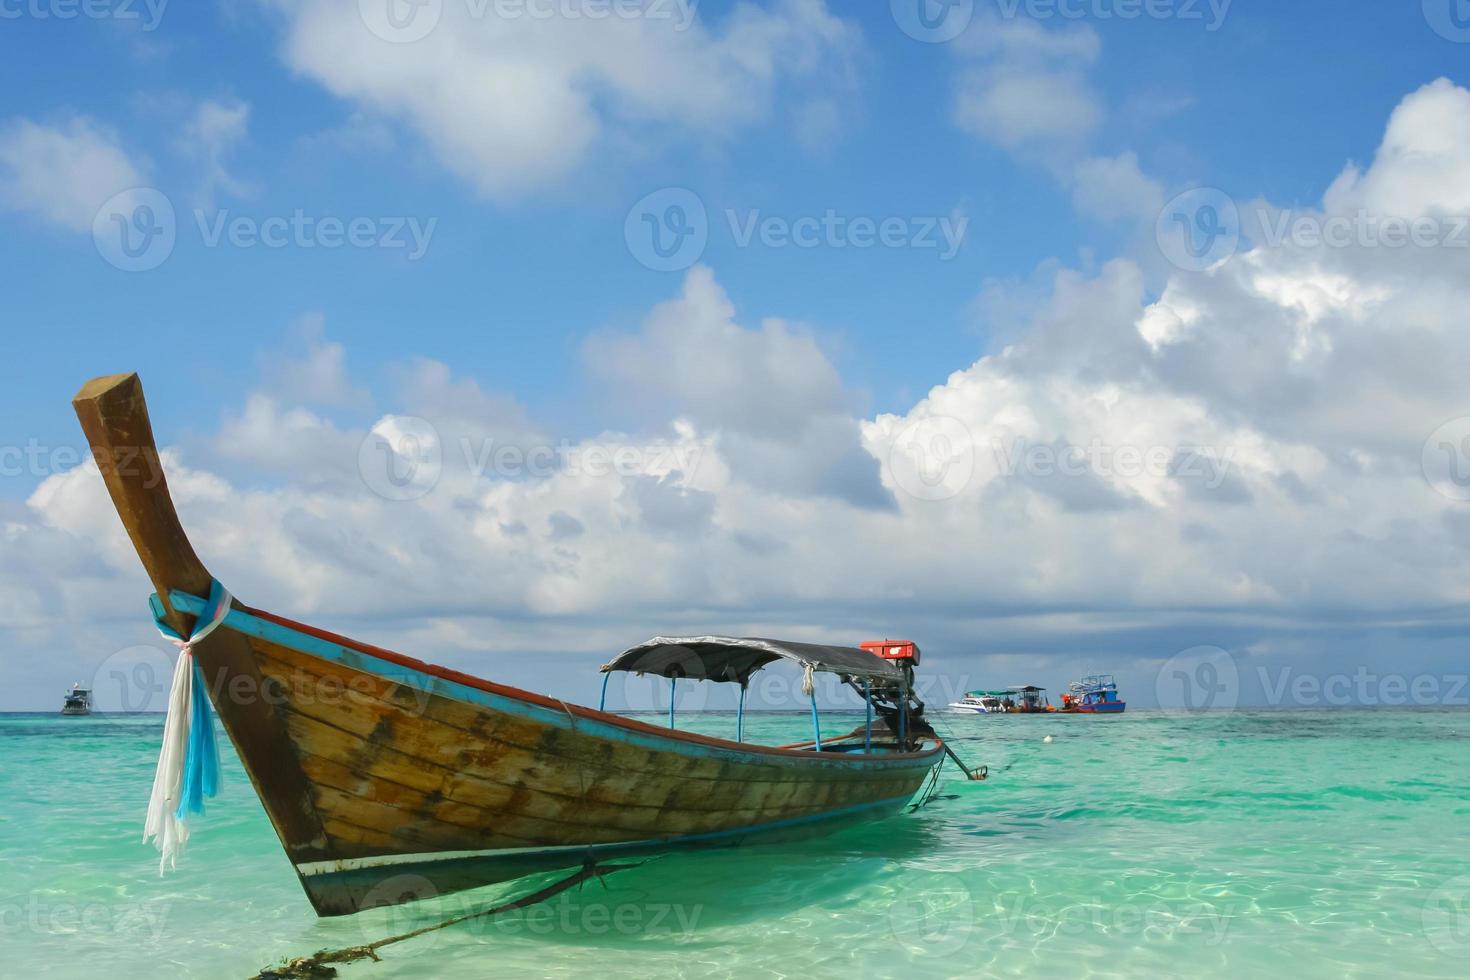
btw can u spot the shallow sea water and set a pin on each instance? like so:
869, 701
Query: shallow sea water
1251, 843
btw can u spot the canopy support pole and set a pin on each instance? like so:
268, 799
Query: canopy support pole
740, 716
816, 725
673, 685
903, 718
868, 704
602, 701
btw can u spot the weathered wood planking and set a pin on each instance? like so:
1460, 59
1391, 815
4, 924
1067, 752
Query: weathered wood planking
502, 781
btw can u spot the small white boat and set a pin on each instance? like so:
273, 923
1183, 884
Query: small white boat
78, 701
981, 703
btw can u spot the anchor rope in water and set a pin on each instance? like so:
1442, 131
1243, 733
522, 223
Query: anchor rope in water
317, 967
188, 760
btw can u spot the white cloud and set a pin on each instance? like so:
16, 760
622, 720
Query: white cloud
63, 173
212, 134
1249, 447
1114, 188
1025, 88
514, 104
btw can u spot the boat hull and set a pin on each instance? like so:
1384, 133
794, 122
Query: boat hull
420, 780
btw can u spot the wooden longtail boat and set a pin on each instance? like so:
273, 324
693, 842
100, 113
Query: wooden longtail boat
373, 766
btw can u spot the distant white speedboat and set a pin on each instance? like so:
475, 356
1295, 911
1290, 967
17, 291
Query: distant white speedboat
981, 703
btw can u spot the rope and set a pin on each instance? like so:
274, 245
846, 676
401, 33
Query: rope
316, 967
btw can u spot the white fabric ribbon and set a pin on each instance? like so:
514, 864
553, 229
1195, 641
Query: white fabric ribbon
164, 826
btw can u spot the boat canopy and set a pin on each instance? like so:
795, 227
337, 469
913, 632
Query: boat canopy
732, 660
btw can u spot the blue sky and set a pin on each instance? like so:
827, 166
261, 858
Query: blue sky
527, 289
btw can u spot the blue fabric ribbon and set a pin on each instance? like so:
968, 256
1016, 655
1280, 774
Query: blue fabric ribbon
201, 763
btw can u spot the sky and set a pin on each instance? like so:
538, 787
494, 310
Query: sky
1057, 335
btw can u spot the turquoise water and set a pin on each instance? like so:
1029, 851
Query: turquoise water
1274, 843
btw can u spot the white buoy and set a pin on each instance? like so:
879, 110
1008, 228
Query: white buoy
1048, 740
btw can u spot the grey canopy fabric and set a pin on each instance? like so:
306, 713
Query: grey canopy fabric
725, 658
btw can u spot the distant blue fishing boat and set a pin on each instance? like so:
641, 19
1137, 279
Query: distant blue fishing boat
1095, 694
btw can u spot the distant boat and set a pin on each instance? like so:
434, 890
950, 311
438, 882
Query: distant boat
1023, 699
1030, 700
981, 703
1095, 694
78, 701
